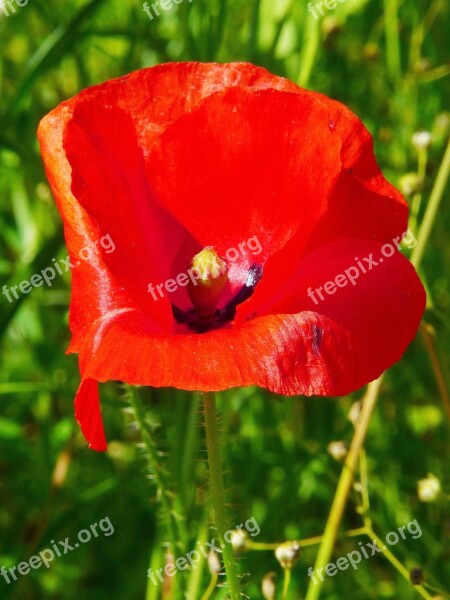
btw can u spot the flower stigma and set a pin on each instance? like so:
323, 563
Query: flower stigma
211, 275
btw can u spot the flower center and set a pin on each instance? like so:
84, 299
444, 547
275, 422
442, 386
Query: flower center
210, 276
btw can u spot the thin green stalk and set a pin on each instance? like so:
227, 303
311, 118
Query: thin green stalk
417, 198
432, 209
369, 529
156, 562
312, 541
344, 485
287, 581
421, 31
397, 564
311, 42
254, 28
218, 492
221, 20
391, 25
211, 587
347, 475
430, 343
196, 575
188, 452
365, 487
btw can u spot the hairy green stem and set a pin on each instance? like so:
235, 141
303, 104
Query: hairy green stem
163, 494
218, 492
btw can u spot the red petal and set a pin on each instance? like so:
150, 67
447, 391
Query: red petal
112, 188
94, 289
152, 98
361, 204
244, 163
380, 314
88, 415
331, 348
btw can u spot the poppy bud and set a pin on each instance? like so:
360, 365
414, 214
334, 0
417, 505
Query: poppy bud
288, 553
239, 541
416, 576
268, 586
210, 274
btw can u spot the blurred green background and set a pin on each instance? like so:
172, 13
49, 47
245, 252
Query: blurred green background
389, 61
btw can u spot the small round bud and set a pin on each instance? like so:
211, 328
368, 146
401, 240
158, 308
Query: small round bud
268, 586
410, 184
331, 26
442, 124
429, 489
371, 52
354, 412
288, 554
422, 65
214, 563
385, 135
421, 140
416, 576
239, 540
338, 450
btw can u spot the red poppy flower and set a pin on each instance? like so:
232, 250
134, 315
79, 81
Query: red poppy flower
280, 182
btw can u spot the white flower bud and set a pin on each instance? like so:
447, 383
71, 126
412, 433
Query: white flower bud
410, 184
214, 563
421, 140
354, 412
429, 489
268, 586
338, 450
239, 541
288, 553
